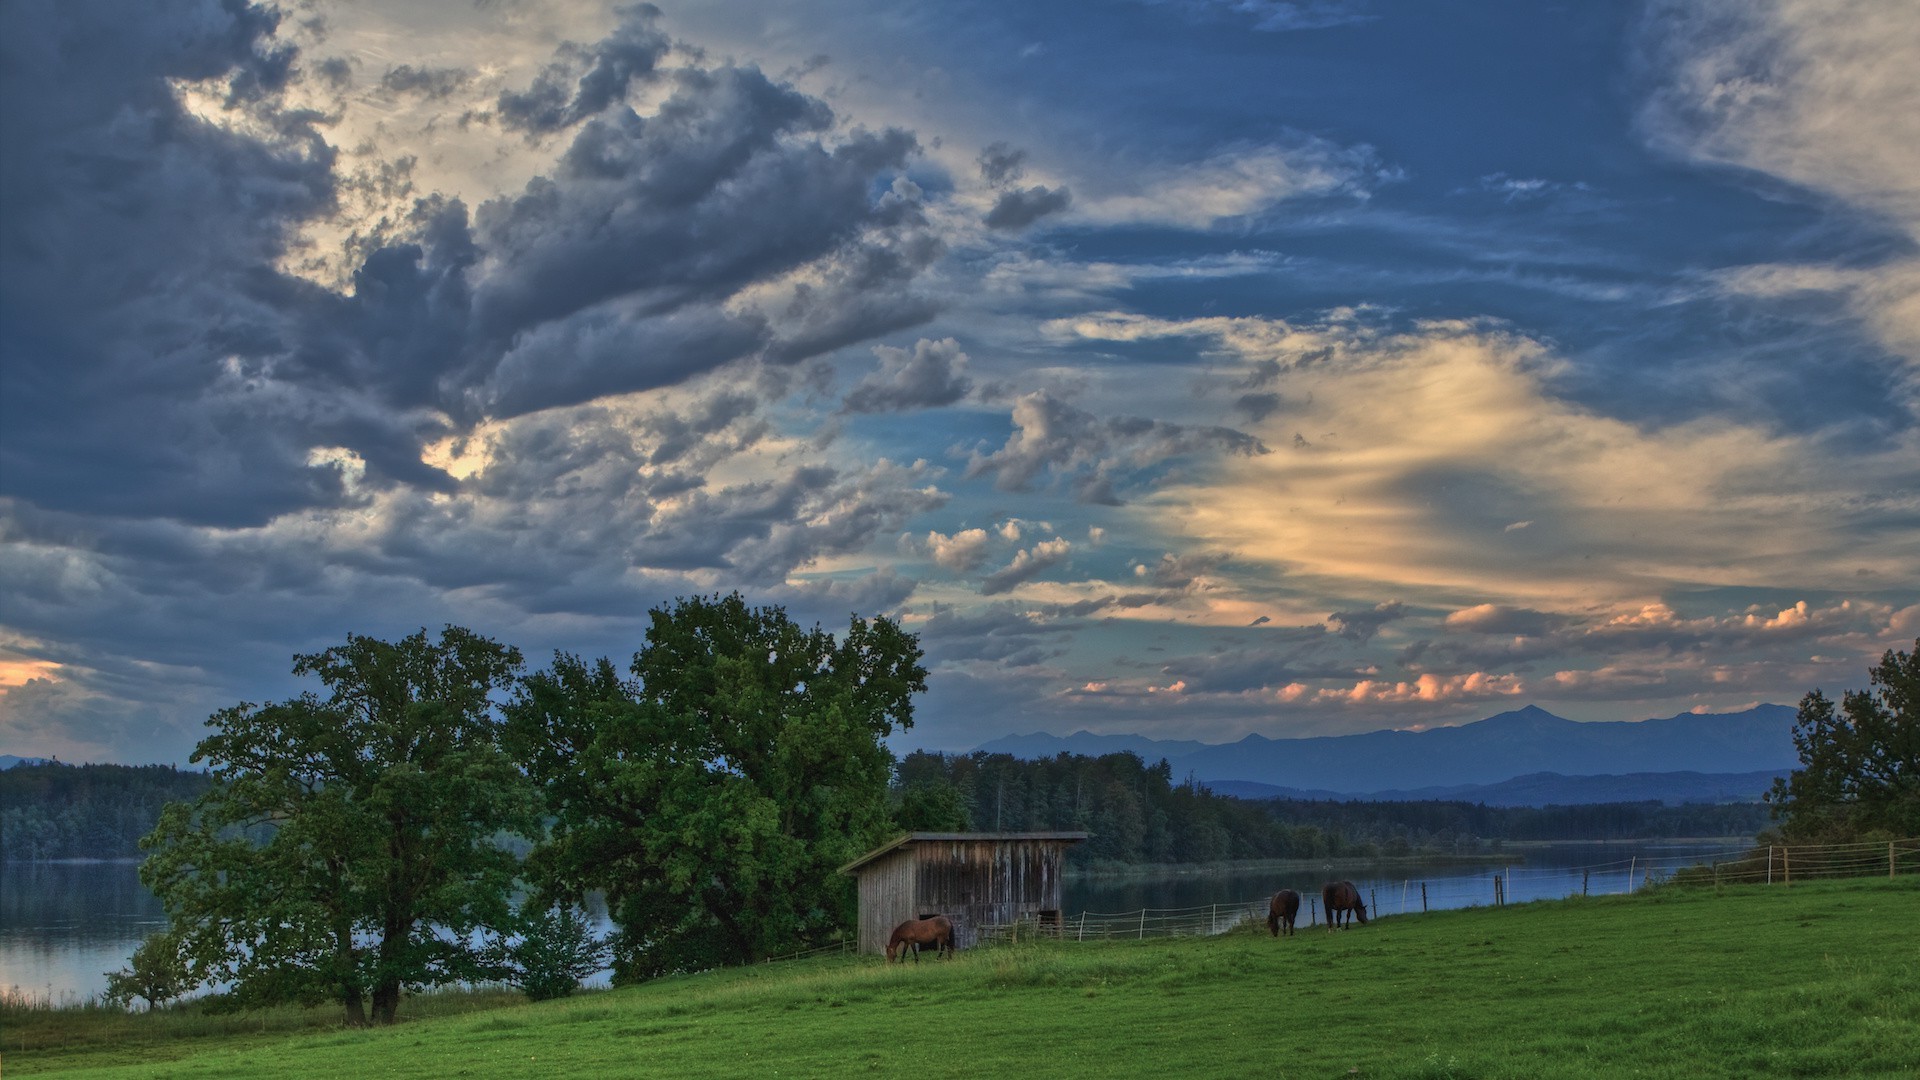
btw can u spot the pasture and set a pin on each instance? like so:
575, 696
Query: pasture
1817, 980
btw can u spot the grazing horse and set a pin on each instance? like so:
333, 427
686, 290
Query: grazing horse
1282, 910
935, 931
1341, 897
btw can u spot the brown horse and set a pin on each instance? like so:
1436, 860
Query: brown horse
1282, 910
936, 931
1343, 898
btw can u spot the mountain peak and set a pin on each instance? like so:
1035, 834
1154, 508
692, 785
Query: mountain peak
1527, 716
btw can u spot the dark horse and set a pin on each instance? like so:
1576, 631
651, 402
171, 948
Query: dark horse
935, 931
1282, 910
1342, 898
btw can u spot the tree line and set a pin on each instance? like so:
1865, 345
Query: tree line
54, 811
435, 814
1137, 813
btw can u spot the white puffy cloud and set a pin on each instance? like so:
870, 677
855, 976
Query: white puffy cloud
1027, 564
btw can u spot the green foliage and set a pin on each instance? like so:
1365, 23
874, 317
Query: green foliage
552, 948
930, 807
1859, 775
387, 802
55, 811
156, 973
714, 797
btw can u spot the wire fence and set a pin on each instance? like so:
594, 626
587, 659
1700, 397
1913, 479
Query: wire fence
1776, 864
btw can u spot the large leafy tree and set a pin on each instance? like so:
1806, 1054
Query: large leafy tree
1859, 769
714, 794
352, 844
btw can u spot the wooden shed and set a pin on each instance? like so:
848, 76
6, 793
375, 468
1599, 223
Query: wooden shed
974, 879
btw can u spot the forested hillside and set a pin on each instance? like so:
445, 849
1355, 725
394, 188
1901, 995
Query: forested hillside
1138, 814
55, 811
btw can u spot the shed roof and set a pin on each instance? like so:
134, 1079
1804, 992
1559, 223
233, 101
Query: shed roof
908, 839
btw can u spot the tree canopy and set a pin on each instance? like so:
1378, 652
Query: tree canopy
351, 845
1859, 775
715, 793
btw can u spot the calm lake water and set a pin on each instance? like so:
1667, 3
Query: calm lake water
63, 926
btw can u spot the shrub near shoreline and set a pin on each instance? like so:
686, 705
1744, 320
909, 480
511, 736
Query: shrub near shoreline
1817, 980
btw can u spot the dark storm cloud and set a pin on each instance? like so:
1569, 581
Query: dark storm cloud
1092, 453
1021, 208
424, 81
1238, 670
1179, 572
131, 275
1257, 407
584, 80
1361, 626
1003, 636
930, 375
1001, 164
186, 376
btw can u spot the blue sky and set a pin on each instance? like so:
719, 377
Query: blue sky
1183, 368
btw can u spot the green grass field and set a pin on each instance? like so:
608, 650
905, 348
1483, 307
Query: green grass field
1817, 980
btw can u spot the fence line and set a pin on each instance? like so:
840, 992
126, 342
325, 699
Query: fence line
808, 954
1778, 864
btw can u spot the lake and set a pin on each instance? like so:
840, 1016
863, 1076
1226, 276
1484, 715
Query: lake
63, 926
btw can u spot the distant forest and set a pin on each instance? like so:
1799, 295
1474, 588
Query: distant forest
1138, 814
1135, 811
55, 811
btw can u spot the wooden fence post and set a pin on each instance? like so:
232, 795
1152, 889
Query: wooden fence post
1313, 911
1631, 863
1423, 898
1889, 860
1584, 875
1373, 901
1143, 924
1769, 864
1786, 865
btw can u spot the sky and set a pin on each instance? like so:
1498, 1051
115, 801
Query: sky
1187, 368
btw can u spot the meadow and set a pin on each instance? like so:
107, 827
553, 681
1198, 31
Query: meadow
1816, 980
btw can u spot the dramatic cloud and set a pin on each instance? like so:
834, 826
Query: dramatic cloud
931, 374
1227, 386
1026, 565
1817, 95
1095, 455
587, 79
1021, 208
1361, 626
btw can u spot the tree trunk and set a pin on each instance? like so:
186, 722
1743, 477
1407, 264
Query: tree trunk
350, 995
386, 1002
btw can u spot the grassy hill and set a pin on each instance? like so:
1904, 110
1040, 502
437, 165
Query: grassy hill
1817, 980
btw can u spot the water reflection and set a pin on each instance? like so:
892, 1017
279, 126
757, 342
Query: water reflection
63, 926
1530, 873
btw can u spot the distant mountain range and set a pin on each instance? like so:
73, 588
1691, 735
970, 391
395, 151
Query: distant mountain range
1548, 789
1512, 755
8, 761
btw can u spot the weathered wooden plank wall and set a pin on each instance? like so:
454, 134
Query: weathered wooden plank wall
986, 882
886, 898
